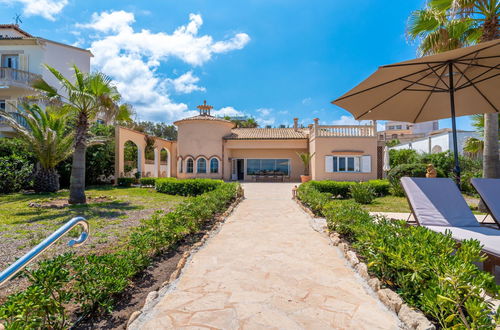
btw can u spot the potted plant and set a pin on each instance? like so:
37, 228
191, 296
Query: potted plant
306, 159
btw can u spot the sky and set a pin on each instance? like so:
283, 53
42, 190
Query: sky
269, 59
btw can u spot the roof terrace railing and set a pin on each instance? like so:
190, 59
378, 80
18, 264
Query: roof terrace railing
25, 260
10, 75
20, 119
345, 131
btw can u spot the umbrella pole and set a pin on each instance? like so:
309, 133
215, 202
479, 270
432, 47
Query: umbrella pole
456, 170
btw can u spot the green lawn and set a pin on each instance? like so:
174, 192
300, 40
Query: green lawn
400, 204
22, 226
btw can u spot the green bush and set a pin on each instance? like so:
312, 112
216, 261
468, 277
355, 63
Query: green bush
403, 156
126, 182
411, 170
312, 197
16, 173
336, 188
93, 282
362, 193
186, 187
147, 181
381, 187
429, 270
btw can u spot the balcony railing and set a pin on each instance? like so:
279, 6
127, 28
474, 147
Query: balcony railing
17, 117
15, 76
345, 131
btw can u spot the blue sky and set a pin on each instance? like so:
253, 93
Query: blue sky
271, 59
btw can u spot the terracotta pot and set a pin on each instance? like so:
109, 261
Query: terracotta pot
305, 178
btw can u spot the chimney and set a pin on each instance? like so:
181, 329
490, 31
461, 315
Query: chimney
316, 120
295, 124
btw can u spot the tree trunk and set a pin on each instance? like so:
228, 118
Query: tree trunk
46, 180
491, 159
77, 183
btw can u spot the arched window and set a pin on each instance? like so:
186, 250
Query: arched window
180, 165
189, 165
201, 166
214, 165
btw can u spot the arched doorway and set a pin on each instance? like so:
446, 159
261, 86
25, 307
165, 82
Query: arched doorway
150, 158
164, 163
131, 160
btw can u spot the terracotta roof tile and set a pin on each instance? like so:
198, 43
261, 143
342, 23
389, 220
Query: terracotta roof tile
266, 134
17, 28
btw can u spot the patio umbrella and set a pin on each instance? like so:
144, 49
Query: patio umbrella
386, 166
459, 82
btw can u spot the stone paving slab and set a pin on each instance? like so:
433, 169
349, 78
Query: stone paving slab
268, 268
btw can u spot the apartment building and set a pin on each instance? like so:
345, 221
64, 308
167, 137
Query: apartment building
22, 59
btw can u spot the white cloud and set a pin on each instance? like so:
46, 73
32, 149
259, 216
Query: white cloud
227, 111
45, 8
132, 59
186, 83
266, 117
306, 101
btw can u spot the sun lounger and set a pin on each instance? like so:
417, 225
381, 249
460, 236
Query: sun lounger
489, 190
438, 205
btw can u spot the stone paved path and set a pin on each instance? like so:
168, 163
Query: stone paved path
267, 268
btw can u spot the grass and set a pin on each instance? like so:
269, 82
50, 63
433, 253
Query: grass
108, 220
400, 204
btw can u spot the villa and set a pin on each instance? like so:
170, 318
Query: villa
211, 147
21, 62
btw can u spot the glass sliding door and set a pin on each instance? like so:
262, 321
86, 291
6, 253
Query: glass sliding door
268, 166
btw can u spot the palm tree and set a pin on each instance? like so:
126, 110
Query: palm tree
474, 147
92, 96
45, 133
306, 158
448, 24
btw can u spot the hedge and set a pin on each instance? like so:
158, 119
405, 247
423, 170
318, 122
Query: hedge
186, 187
126, 182
342, 188
148, 181
93, 282
429, 270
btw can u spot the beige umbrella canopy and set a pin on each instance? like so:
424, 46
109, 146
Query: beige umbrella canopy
460, 82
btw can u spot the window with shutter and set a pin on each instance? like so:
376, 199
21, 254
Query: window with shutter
329, 164
366, 164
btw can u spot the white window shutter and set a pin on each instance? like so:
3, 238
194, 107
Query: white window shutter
366, 164
329, 164
23, 62
357, 160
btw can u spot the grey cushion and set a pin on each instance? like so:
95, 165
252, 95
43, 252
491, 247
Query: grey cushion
438, 202
489, 237
489, 189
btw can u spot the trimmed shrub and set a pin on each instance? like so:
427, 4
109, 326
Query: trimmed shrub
362, 192
312, 197
93, 282
126, 182
16, 173
403, 156
336, 188
150, 182
186, 187
429, 270
381, 187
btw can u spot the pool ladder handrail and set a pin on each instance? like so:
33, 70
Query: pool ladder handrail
26, 259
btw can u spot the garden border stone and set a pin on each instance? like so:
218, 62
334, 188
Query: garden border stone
410, 317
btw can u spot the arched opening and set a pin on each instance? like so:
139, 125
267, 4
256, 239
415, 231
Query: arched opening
436, 149
201, 165
214, 165
164, 163
131, 160
189, 165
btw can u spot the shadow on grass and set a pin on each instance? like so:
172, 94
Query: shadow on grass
98, 210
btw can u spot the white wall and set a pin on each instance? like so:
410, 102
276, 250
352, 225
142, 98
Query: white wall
444, 140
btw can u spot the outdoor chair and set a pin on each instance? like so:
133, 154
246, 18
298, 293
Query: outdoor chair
437, 204
489, 191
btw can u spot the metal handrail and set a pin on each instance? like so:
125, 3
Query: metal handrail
25, 260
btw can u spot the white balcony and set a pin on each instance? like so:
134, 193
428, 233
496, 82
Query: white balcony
345, 131
10, 77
